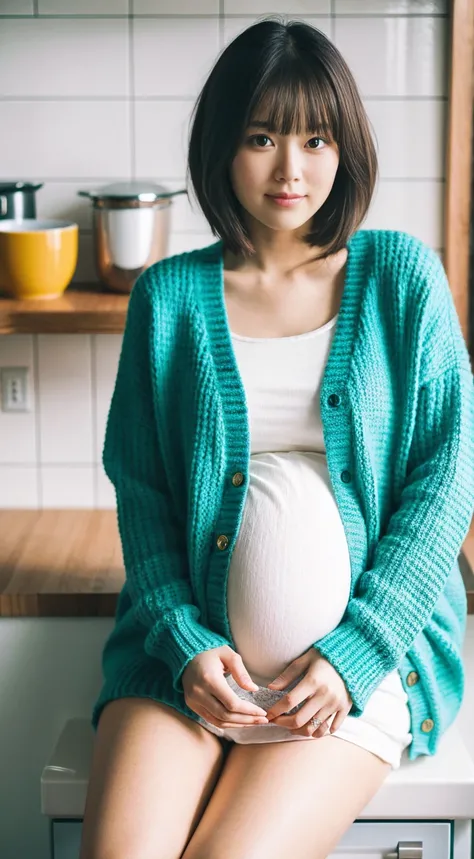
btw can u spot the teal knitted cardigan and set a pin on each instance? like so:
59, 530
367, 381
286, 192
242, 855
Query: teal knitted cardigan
397, 407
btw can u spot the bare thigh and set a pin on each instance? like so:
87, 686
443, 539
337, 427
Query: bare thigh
286, 799
152, 773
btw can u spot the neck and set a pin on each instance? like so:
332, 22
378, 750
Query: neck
271, 267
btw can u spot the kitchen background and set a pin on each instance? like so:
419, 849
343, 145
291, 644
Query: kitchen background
93, 92
96, 91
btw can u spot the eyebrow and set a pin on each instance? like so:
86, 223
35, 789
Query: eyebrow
263, 123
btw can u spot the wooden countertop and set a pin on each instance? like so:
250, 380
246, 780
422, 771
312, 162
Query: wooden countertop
68, 563
82, 309
59, 563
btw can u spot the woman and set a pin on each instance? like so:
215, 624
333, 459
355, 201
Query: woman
291, 441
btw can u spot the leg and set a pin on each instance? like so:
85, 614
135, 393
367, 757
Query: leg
286, 799
152, 773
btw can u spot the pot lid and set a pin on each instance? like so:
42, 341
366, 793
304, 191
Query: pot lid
133, 190
8, 186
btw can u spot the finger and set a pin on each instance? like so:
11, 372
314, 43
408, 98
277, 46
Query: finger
234, 661
299, 719
238, 721
290, 699
216, 688
288, 675
339, 719
227, 703
324, 728
308, 731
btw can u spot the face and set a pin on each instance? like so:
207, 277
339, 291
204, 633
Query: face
268, 164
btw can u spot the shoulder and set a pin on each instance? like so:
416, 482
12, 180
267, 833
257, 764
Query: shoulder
408, 268
162, 276
170, 277
413, 281
398, 251
429, 306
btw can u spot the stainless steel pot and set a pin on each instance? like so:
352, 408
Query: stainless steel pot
131, 230
17, 200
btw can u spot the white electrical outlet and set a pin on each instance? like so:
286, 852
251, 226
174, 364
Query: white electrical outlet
15, 389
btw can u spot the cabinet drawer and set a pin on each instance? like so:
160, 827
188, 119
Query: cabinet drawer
380, 839
363, 840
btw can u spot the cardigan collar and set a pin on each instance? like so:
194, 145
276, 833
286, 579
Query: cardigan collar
212, 297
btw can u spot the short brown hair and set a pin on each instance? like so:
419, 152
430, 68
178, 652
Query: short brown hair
305, 83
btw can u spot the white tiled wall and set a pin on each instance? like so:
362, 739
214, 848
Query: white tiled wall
93, 91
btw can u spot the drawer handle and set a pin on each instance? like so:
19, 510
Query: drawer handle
407, 850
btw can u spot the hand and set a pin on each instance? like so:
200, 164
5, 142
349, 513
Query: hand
322, 688
207, 692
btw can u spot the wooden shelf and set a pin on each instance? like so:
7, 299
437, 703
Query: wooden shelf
83, 308
69, 563
60, 563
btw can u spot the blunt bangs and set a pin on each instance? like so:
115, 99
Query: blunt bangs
296, 101
293, 78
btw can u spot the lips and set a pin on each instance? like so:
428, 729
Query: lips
286, 202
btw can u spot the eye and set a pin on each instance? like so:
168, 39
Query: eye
321, 140
256, 137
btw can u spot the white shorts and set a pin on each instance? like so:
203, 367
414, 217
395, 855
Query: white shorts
383, 728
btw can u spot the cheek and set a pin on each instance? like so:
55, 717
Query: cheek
323, 173
244, 174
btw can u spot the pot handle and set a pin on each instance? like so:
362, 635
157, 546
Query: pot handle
174, 193
160, 197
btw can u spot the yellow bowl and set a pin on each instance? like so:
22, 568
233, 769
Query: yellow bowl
37, 257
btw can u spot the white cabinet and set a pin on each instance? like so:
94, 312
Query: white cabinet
376, 840
428, 803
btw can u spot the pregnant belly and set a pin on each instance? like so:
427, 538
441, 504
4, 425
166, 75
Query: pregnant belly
289, 574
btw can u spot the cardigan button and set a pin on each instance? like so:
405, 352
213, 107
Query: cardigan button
238, 478
222, 542
412, 678
334, 400
427, 726
346, 476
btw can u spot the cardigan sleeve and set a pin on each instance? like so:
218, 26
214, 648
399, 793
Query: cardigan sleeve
152, 537
395, 598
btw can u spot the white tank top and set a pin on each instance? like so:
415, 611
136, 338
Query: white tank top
289, 575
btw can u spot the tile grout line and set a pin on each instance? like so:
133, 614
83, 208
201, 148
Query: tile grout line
131, 84
37, 407
191, 98
221, 25
230, 15
93, 380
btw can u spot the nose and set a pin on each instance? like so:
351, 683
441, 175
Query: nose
289, 163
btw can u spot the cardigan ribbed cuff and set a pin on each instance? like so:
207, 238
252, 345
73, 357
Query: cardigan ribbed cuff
183, 639
357, 660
